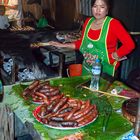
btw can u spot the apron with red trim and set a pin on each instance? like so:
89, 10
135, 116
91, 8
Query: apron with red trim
92, 49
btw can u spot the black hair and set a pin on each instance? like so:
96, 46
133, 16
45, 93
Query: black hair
108, 3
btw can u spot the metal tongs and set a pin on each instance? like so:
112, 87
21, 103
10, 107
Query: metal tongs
107, 114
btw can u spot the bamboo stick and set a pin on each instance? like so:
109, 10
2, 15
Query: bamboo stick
43, 43
106, 93
40, 44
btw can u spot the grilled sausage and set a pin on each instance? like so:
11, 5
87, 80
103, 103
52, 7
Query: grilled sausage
54, 118
55, 124
26, 92
61, 103
51, 106
53, 92
69, 124
87, 105
44, 120
43, 111
87, 118
52, 98
46, 101
63, 123
92, 112
83, 113
44, 90
69, 116
34, 84
40, 95
68, 109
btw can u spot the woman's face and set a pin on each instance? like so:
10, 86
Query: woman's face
99, 9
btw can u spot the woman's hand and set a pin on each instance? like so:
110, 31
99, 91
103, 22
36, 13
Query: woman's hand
56, 44
63, 45
115, 56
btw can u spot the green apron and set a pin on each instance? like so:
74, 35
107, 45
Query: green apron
92, 49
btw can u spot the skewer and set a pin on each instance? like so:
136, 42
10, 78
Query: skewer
40, 44
135, 33
106, 93
43, 44
51, 26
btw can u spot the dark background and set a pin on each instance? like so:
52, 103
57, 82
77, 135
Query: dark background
128, 12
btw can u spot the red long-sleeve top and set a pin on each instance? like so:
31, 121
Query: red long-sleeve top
116, 33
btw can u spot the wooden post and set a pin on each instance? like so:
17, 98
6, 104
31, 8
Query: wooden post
137, 123
6, 123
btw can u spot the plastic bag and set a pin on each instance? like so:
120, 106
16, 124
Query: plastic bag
42, 22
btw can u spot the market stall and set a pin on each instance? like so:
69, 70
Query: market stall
41, 60
108, 122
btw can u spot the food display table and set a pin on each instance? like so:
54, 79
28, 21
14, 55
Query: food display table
109, 125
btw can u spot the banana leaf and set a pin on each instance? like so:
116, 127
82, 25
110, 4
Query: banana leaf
116, 125
117, 102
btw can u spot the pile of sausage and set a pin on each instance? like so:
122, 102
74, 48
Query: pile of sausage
59, 110
41, 92
25, 28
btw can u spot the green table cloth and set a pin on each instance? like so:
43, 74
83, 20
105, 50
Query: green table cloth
116, 125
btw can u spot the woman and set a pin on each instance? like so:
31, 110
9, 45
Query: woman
100, 36
4, 22
14, 11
